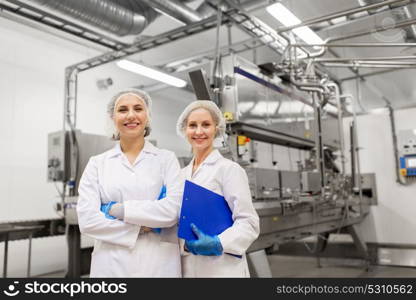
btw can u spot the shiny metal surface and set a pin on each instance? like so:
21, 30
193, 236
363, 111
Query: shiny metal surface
397, 257
104, 14
264, 183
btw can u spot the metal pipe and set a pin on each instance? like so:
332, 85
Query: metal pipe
378, 29
338, 14
358, 99
356, 45
319, 146
29, 259
352, 147
340, 124
176, 10
70, 98
380, 62
104, 14
371, 74
324, 59
5, 255
312, 87
395, 147
205, 10
367, 65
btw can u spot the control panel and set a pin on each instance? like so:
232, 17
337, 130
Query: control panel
407, 152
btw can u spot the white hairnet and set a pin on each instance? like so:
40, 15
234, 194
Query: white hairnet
211, 107
142, 95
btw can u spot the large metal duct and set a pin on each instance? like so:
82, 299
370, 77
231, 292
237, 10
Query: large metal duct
176, 10
104, 14
399, 13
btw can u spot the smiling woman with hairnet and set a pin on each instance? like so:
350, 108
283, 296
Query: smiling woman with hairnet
133, 171
210, 256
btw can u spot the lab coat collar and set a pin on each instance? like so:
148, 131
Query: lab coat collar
148, 147
116, 151
212, 158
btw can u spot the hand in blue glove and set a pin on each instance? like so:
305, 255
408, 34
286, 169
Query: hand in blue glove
161, 196
105, 208
205, 244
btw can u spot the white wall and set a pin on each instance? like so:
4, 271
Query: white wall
31, 92
393, 219
32, 67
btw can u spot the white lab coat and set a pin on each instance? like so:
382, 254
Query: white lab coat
228, 179
119, 249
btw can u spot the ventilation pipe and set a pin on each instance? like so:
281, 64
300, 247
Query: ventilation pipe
103, 14
176, 10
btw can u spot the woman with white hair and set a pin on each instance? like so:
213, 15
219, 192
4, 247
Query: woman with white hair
209, 256
133, 171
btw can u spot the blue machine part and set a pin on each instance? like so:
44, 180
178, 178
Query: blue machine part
408, 163
402, 163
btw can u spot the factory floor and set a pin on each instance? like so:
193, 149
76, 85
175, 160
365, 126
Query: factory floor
298, 266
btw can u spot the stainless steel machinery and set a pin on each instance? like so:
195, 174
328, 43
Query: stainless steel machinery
315, 196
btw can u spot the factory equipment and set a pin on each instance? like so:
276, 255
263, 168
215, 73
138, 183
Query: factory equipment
407, 152
68, 154
59, 164
313, 196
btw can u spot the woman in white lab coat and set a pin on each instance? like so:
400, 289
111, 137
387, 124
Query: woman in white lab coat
133, 170
210, 256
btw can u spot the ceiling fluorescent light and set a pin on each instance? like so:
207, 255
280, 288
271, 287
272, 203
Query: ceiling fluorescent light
151, 73
287, 18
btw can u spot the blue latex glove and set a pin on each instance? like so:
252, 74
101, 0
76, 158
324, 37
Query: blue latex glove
105, 208
205, 244
161, 196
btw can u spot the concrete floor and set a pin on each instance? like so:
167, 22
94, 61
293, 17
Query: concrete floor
297, 266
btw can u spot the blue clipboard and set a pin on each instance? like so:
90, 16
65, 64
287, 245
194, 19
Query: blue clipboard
207, 210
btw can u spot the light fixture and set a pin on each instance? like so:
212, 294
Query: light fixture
151, 73
287, 18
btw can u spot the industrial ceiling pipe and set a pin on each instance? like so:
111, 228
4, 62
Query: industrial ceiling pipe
365, 58
369, 74
370, 66
176, 10
357, 45
104, 14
